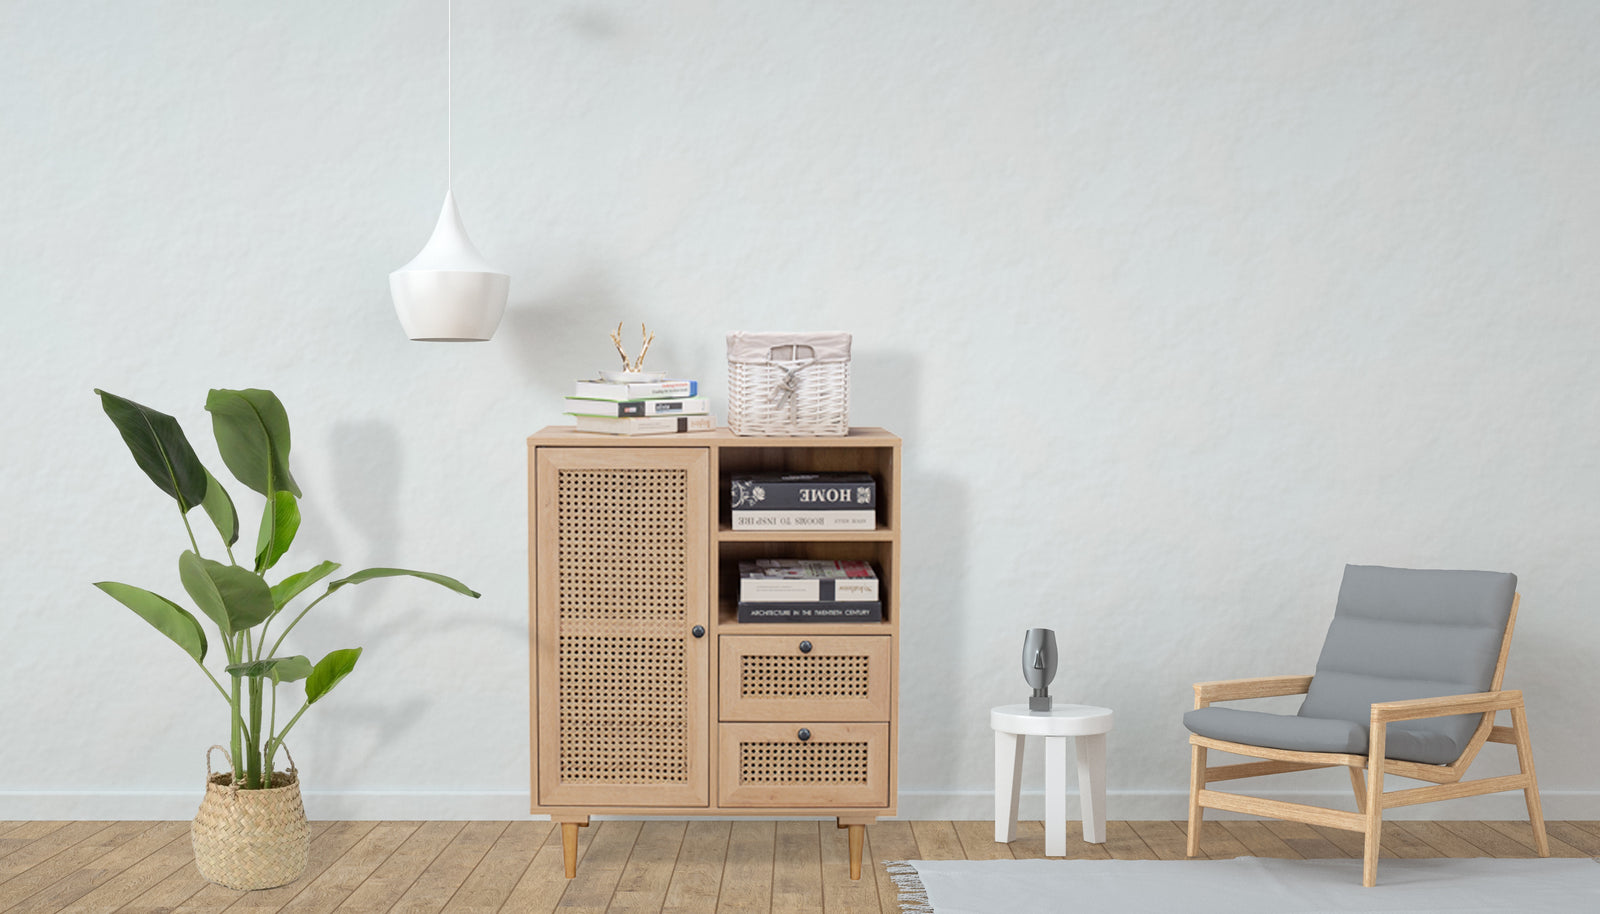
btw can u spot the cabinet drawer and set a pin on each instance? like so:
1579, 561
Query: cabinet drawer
769, 764
795, 677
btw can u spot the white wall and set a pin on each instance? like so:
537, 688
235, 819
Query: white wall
1179, 307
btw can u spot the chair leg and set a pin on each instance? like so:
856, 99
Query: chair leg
1374, 805
1197, 782
1519, 723
1360, 786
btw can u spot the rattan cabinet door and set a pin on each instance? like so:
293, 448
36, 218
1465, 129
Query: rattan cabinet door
801, 677
620, 583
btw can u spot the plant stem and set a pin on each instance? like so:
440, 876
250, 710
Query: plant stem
253, 760
184, 515
272, 730
237, 739
275, 644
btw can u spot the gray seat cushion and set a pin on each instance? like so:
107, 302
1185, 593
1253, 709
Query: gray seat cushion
1396, 634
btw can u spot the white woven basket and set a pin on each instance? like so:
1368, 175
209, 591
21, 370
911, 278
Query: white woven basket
789, 383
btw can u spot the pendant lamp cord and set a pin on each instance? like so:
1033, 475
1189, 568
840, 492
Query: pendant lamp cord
450, 97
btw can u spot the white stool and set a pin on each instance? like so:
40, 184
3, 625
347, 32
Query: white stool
1088, 727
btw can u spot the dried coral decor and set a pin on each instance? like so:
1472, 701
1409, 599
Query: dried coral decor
648, 696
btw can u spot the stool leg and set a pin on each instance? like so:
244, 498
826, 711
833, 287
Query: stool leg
1092, 786
1055, 796
1007, 784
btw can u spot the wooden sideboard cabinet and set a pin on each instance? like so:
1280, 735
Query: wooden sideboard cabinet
648, 696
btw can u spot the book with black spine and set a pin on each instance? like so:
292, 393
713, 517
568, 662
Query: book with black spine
803, 491
851, 611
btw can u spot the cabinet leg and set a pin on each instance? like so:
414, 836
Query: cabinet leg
569, 846
858, 834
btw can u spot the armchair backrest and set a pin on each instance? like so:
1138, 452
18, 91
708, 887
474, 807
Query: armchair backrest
1398, 634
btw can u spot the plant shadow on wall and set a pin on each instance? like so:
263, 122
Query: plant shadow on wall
251, 429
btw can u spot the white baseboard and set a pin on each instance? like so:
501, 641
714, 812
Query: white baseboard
495, 805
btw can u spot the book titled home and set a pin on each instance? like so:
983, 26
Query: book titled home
804, 492
686, 406
635, 390
850, 611
645, 425
806, 580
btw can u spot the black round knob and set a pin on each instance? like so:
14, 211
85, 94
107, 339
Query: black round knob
805, 647
699, 631
804, 734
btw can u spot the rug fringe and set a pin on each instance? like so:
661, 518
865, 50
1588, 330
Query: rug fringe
913, 896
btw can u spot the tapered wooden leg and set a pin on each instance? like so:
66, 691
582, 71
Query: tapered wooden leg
1359, 784
1519, 723
569, 846
1197, 783
858, 834
1374, 806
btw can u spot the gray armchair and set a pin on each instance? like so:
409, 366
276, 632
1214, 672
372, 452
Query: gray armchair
1408, 684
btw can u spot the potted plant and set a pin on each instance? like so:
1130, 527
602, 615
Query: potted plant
251, 830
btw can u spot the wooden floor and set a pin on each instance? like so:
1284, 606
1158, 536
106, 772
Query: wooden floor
654, 865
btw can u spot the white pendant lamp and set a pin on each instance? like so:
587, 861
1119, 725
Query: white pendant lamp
448, 292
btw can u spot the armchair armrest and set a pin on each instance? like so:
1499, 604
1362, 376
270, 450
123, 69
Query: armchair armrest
1260, 687
1384, 712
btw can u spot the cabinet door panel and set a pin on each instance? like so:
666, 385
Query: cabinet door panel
620, 577
803, 764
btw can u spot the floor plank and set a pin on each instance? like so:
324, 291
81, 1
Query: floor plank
24, 834
387, 884
697, 877
1122, 842
1585, 841
937, 841
545, 880
643, 885
978, 843
137, 879
1445, 843
888, 842
1164, 839
797, 868
1255, 836
1522, 833
119, 856
1305, 840
494, 878
1216, 842
43, 875
47, 845
346, 874
1029, 843
437, 884
747, 874
1488, 840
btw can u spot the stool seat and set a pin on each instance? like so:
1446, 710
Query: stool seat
1086, 726
1061, 720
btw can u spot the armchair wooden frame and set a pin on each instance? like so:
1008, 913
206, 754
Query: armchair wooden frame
1366, 771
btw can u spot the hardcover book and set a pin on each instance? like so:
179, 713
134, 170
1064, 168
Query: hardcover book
804, 491
636, 390
805, 520
852, 611
806, 580
588, 406
645, 425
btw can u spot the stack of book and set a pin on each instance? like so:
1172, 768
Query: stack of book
804, 501
808, 590
640, 407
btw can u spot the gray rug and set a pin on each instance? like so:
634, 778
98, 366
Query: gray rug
1245, 885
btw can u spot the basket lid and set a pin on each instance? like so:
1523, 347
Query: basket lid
746, 346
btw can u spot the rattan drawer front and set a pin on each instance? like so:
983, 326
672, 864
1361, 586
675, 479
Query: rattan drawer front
770, 765
799, 677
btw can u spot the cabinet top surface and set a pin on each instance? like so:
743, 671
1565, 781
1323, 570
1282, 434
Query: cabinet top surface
568, 436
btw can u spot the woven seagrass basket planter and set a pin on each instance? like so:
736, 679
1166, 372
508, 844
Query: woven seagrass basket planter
251, 839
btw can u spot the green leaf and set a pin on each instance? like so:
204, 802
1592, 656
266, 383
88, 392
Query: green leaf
219, 506
280, 520
292, 586
252, 431
370, 573
168, 617
232, 597
160, 448
279, 669
329, 670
